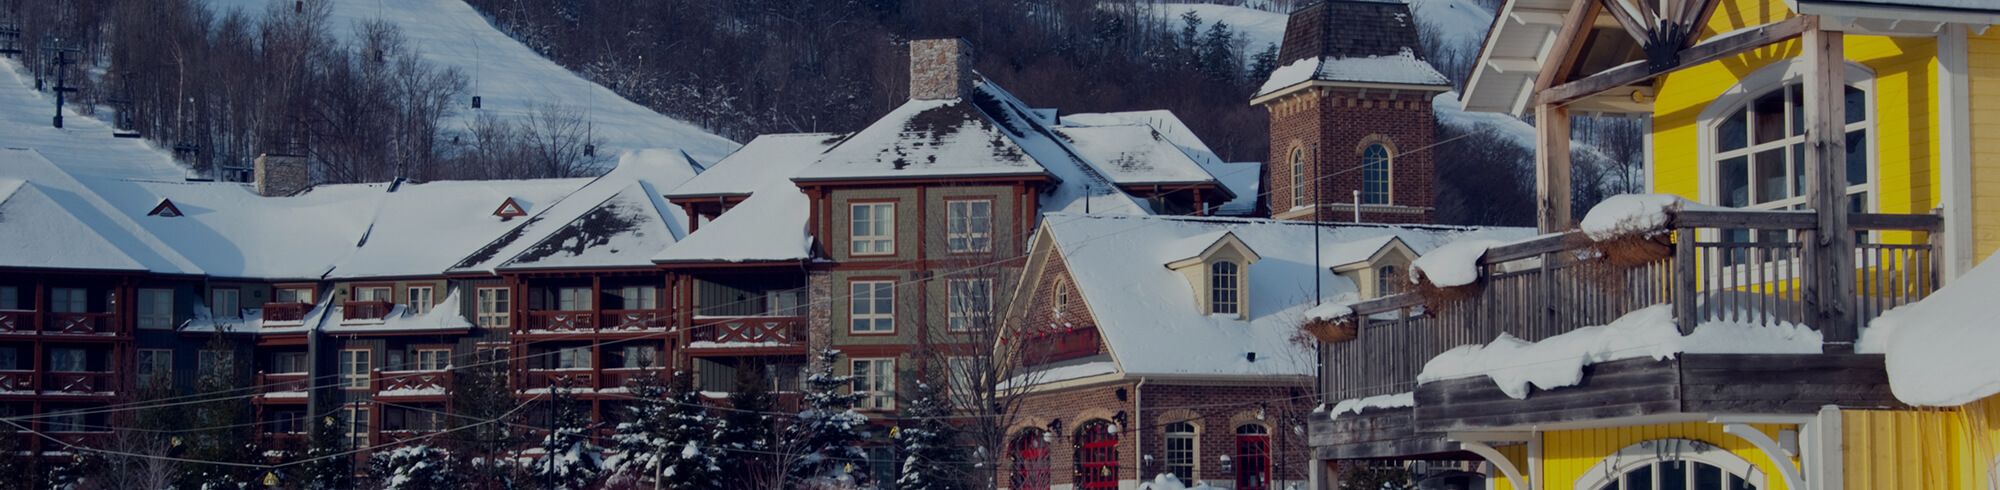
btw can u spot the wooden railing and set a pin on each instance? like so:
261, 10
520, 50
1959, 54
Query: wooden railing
636, 319
365, 310
17, 322
1715, 271
16, 381
412, 383
287, 312
86, 383
575, 379
561, 321
268, 383
622, 377
80, 323
750, 329
1043, 346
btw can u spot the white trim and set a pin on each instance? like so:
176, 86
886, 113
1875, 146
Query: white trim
1771, 450
1498, 460
1651, 451
1954, 125
1775, 76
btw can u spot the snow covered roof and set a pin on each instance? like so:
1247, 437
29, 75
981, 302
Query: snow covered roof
1163, 122
769, 158
1353, 42
925, 139
769, 226
59, 239
97, 233
1158, 329
1135, 154
1940, 350
425, 228
1402, 68
571, 232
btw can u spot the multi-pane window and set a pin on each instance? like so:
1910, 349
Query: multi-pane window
875, 378
156, 366
1385, 280
1760, 150
1062, 296
970, 226
573, 299
356, 425
874, 228
69, 300
433, 359
289, 362
640, 297
226, 302
419, 300
1182, 451
373, 293
291, 295
9, 359
64, 421
156, 308
971, 304
1224, 286
1298, 177
67, 360
493, 307
641, 356
1253, 456
872, 306
10, 298
354, 366
572, 358
1375, 175
1678, 475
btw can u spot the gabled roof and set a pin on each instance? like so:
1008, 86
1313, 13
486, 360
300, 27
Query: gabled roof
1157, 330
769, 226
109, 217
422, 229
758, 163
1133, 155
511, 208
166, 209
610, 196
925, 139
45, 235
1348, 41
624, 230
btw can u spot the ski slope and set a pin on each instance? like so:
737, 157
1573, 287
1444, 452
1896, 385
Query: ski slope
1259, 28
511, 80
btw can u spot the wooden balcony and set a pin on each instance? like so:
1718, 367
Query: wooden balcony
624, 377
1736, 266
281, 387
412, 385
79, 324
562, 321
574, 379
365, 310
749, 331
635, 320
1044, 346
286, 312
15, 321
85, 383
17, 382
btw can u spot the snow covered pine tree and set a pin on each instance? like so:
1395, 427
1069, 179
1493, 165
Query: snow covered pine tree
639, 446
691, 462
743, 435
930, 444
422, 467
828, 428
569, 461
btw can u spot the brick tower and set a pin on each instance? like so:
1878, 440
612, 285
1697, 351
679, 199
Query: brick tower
1350, 108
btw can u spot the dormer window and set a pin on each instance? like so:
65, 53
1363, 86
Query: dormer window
510, 209
165, 209
1225, 281
1385, 282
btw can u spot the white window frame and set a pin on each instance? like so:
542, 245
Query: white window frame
375, 293
965, 373
152, 362
969, 225
1188, 456
1061, 296
69, 300
1298, 178
495, 308
420, 299
1614, 467
1385, 280
433, 359
299, 294
572, 358
1218, 290
1776, 77
150, 303
966, 311
865, 305
875, 378
648, 355
355, 428
573, 299
355, 365
225, 302
879, 234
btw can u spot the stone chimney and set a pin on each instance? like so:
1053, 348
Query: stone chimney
940, 69
281, 175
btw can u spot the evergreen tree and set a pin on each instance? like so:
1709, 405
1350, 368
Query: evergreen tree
569, 461
213, 437
828, 428
417, 468
328, 466
480, 395
744, 433
1263, 64
930, 444
13, 459
691, 461
639, 446
1218, 54
1188, 43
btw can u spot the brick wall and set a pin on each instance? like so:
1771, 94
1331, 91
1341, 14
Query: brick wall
1216, 411
1041, 306
1331, 125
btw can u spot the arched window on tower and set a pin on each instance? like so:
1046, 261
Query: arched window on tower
1298, 177
1375, 174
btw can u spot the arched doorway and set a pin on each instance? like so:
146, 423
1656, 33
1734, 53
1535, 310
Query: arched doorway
1030, 452
1253, 456
1097, 455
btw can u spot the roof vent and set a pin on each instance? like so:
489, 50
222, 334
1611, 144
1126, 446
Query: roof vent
510, 209
166, 209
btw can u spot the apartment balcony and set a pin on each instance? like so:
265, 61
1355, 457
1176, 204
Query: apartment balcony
33, 322
748, 335
635, 320
281, 387
286, 313
80, 384
1044, 346
412, 385
577, 379
361, 311
562, 322
620, 378
17, 382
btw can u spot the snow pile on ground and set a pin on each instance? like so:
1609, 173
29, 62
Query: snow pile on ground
1167, 481
1558, 361
1400, 68
1454, 264
1357, 405
1631, 213
1940, 350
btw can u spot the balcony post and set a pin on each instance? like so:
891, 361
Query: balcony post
1552, 180
1828, 286
1685, 274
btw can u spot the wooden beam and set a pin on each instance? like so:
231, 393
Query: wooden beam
1552, 168
1640, 31
1930, 223
1829, 286
1632, 73
1762, 220
1581, 15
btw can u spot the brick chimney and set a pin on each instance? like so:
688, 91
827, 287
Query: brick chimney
940, 69
281, 175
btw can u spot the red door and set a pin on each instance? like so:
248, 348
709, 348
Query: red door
1031, 462
1253, 458
1096, 455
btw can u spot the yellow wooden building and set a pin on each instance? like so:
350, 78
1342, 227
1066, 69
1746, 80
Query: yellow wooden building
1875, 121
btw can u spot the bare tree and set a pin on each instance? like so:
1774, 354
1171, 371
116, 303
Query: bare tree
560, 142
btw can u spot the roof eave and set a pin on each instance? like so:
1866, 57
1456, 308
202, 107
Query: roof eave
1895, 12
1029, 175
1302, 86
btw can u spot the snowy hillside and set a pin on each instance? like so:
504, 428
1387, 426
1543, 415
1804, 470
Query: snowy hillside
1258, 27
1463, 23
511, 79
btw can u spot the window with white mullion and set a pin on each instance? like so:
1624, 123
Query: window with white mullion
1759, 157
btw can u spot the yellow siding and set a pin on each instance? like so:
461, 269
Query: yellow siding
1985, 76
1567, 455
1948, 448
1905, 86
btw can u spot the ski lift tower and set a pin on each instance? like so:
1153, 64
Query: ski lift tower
60, 53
